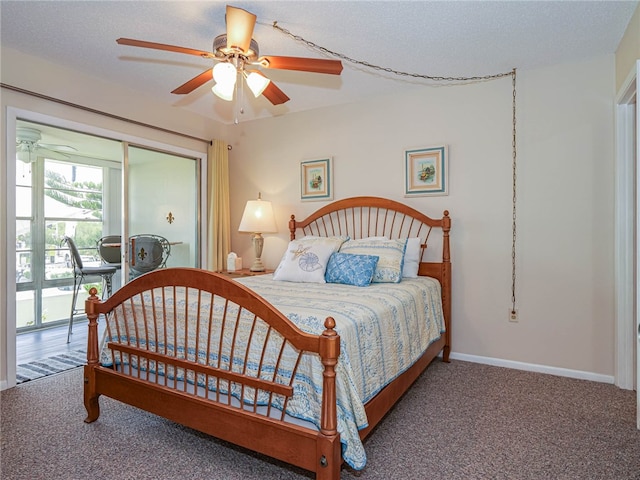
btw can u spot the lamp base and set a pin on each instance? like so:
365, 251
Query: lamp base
257, 266
258, 242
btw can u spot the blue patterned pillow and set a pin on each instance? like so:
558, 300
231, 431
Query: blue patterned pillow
391, 253
351, 269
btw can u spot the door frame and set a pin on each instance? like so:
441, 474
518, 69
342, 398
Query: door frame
627, 240
12, 115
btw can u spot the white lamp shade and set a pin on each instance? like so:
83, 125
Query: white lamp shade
225, 74
257, 82
24, 155
224, 91
258, 218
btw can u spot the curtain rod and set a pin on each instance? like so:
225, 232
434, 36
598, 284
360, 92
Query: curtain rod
110, 115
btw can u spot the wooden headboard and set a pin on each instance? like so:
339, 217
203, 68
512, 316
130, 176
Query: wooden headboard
362, 217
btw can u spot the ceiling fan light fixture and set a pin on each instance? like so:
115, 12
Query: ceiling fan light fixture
224, 91
28, 146
257, 82
221, 51
24, 155
225, 74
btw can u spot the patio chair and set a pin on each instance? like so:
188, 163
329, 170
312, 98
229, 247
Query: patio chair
80, 273
147, 252
109, 250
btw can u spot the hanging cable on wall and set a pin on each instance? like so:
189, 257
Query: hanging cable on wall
481, 78
324, 50
514, 314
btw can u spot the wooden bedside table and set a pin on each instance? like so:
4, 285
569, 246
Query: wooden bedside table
244, 272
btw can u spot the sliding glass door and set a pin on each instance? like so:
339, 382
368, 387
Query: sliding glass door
55, 197
162, 201
91, 188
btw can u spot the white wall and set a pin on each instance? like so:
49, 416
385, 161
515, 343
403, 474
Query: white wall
565, 157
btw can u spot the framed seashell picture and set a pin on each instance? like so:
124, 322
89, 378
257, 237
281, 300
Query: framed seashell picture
316, 178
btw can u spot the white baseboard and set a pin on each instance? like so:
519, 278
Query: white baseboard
4, 385
532, 367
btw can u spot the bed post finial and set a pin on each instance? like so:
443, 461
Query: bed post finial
92, 316
292, 227
328, 446
446, 227
329, 353
90, 395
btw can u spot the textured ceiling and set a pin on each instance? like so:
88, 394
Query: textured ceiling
435, 38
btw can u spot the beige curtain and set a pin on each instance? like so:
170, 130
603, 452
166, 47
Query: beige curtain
219, 233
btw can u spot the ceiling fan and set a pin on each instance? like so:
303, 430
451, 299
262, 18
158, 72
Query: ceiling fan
235, 54
28, 146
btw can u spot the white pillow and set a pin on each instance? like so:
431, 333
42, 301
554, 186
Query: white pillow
305, 260
390, 253
411, 258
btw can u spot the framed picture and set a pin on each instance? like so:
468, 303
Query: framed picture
426, 172
316, 179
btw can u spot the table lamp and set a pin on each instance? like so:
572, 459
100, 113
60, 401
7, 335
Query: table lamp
258, 219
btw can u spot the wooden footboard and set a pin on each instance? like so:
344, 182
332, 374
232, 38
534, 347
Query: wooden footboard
189, 375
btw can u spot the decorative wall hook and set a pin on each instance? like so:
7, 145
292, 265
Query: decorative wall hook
170, 218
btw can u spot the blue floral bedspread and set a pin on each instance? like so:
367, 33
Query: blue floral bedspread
384, 328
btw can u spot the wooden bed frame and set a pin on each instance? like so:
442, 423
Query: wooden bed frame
318, 451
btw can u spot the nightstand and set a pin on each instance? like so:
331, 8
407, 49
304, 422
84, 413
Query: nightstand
244, 272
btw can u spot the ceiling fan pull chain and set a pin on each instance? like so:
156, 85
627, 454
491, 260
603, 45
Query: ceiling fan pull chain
239, 106
241, 96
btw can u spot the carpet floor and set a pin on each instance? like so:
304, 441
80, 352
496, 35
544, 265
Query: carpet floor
458, 421
49, 366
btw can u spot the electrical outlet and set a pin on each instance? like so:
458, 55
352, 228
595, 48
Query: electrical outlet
513, 315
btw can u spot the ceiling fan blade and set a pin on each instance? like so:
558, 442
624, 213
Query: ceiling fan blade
240, 25
274, 94
58, 148
52, 154
161, 46
194, 83
315, 65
